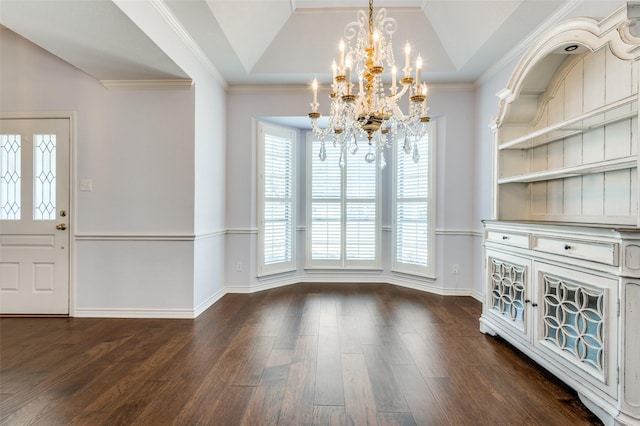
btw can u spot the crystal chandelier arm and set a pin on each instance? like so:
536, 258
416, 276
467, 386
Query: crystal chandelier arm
399, 95
397, 112
387, 25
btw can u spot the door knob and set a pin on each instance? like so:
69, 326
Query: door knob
61, 226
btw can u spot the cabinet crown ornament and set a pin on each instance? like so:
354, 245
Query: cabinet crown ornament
620, 30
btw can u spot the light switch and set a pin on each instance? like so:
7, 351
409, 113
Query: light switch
86, 184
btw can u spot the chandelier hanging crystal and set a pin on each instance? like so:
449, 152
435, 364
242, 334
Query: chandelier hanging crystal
373, 112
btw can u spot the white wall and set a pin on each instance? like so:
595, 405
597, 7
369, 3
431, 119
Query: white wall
454, 109
134, 278
208, 155
243, 108
133, 254
486, 110
454, 206
210, 176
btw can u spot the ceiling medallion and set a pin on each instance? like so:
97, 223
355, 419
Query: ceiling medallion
373, 112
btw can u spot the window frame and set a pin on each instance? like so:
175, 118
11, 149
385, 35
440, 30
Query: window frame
428, 270
262, 129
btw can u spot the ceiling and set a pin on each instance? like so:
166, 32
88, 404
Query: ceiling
286, 42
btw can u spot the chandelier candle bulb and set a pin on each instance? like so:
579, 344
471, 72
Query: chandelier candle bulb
334, 69
418, 69
314, 85
376, 47
347, 65
342, 56
407, 59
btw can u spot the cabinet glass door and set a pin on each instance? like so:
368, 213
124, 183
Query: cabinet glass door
508, 295
575, 317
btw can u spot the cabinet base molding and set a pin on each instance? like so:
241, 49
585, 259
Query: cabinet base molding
486, 328
606, 418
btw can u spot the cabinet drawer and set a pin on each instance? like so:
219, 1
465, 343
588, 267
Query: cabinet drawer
579, 249
511, 238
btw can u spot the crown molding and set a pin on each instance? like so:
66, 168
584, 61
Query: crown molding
270, 88
306, 88
180, 31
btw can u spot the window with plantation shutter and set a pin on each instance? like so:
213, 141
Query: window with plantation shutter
413, 232
276, 204
342, 210
360, 209
326, 206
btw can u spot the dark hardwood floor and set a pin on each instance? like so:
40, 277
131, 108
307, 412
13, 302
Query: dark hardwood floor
308, 354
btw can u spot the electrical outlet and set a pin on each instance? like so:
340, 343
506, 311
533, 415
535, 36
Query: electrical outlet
239, 266
454, 269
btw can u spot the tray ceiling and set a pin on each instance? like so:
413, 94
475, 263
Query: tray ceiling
284, 42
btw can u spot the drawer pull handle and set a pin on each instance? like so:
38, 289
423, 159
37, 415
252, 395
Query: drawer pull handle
527, 301
504, 237
534, 304
567, 247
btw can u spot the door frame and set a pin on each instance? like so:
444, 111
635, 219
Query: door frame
72, 117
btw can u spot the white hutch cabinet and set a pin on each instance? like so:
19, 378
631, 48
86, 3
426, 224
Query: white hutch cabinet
562, 253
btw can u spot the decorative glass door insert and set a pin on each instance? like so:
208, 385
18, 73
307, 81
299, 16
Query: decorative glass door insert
509, 290
573, 320
10, 177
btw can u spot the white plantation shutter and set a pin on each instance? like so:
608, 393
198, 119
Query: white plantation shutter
276, 230
326, 205
361, 224
326, 228
342, 210
413, 230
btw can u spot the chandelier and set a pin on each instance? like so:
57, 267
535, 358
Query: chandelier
373, 112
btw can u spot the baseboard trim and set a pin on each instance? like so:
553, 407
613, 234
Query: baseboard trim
429, 288
209, 302
268, 285
135, 313
478, 296
426, 286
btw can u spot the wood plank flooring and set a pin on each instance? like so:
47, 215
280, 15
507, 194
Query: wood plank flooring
325, 354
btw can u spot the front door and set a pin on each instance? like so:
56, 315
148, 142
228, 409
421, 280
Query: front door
34, 216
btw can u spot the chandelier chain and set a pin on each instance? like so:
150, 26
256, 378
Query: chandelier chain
371, 16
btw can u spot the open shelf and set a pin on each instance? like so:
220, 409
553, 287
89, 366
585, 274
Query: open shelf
617, 111
565, 172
